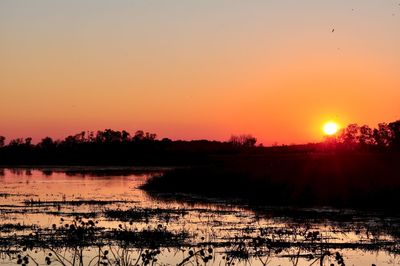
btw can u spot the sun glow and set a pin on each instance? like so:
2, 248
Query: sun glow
330, 128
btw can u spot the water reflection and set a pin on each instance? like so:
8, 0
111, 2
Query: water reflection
98, 215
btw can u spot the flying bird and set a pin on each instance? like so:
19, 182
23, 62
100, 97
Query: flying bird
333, 30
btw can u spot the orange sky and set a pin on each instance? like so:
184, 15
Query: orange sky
190, 70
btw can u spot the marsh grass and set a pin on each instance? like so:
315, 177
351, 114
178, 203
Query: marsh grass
145, 214
39, 202
12, 228
68, 243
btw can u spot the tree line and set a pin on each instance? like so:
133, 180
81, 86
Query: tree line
144, 148
385, 137
117, 147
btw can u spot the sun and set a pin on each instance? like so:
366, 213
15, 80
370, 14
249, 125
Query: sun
330, 128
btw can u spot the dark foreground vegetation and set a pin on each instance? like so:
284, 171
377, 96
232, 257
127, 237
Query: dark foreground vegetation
82, 241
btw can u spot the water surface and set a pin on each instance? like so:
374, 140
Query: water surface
98, 216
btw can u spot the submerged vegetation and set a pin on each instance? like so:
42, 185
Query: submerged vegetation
144, 214
82, 242
123, 231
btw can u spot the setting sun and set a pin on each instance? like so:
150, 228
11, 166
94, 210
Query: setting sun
267, 111
330, 128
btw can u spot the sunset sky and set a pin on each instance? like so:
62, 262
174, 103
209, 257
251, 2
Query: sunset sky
198, 69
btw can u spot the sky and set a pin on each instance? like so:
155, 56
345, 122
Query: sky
276, 69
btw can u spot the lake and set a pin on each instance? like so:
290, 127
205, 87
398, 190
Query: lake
100, 216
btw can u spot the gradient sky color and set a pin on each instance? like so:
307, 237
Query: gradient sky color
198, 69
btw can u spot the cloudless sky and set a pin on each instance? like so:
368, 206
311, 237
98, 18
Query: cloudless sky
198, 69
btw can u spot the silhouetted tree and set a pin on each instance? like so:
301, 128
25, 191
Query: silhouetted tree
75, 139
108, 136
139, 135
47, 143
395, 128
366, 137
120, 147
383, 135
28, 142
91, 137
16, 142
150, 136
349, 136
125, 136
166, 140
244, 140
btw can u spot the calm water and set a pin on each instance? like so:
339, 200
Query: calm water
87, 216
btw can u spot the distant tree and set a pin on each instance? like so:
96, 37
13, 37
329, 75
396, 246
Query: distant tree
330, 142
366, 136
395, 128
125, 136
350, 136
166, 140
75, 139
28, 141
2, 141
112, 136
150, 136
80, 137
108, 136
91, 137
47, 143
244, 140
70, 140
16, 142
139, 135
383, 135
